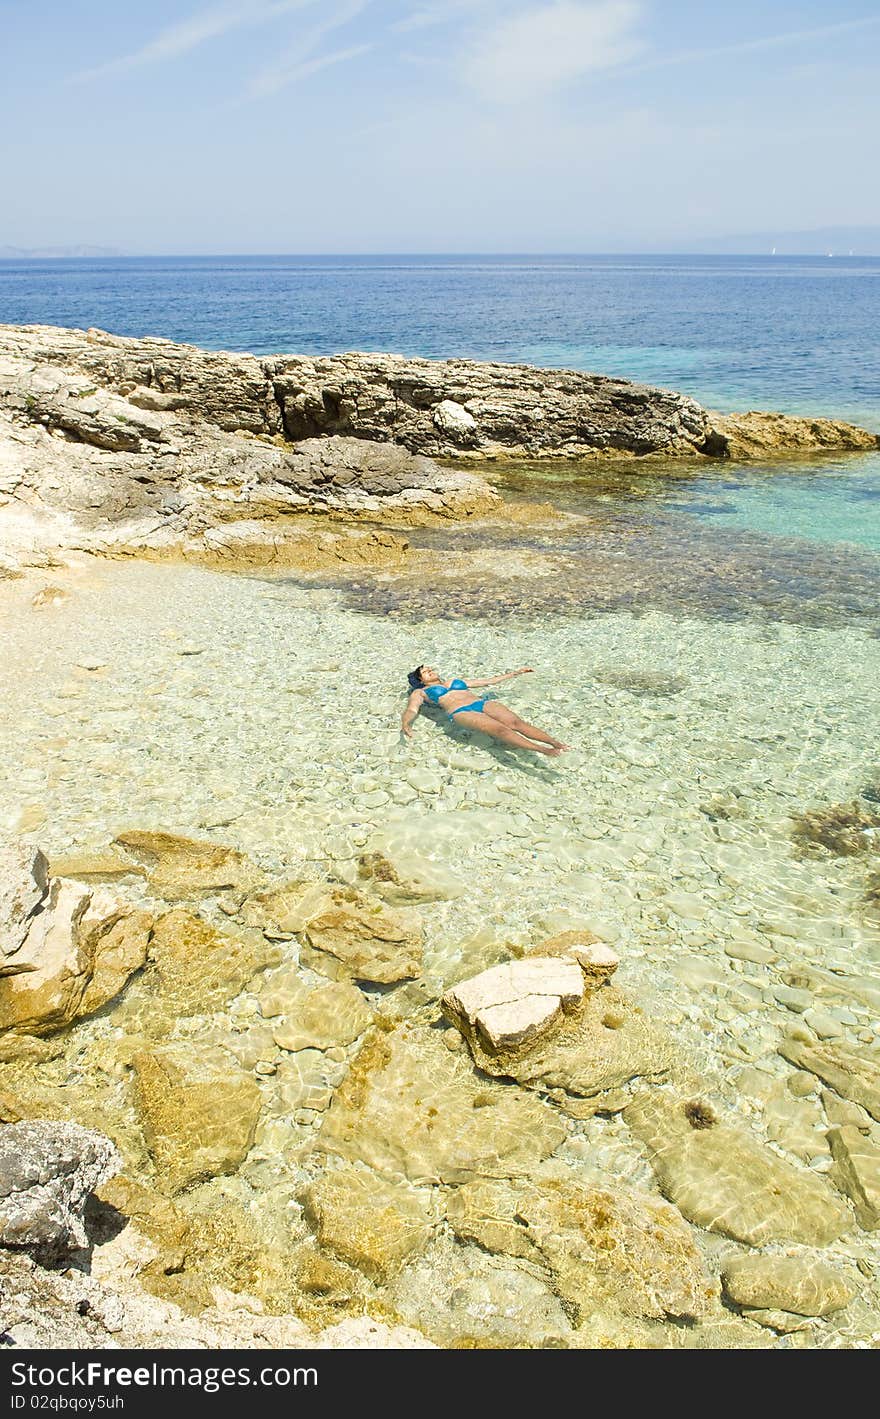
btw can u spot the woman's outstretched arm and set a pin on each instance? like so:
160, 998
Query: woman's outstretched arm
496, 679
413, 705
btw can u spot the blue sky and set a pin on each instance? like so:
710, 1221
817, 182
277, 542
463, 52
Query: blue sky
434, 125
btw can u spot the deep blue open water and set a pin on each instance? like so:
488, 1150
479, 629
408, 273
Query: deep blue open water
791, 333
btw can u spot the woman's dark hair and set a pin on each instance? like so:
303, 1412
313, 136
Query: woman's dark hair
415, 678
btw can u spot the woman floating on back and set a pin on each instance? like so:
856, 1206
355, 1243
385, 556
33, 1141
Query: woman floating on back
489, 716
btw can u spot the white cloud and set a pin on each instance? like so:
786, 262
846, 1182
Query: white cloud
297, 61
188, 34
549, 45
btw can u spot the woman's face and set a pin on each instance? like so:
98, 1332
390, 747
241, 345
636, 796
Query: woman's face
429, 675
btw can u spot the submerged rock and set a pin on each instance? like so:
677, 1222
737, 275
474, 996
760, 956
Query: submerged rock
196, 969
850, 1072
619, 1250
464, 1298
725, 1180
804, 1285
199, 1113
360, 938
407, 877
333, 1014
179, 868
857, 1172
80, 950
151, 1240
408, 1107
370, 1221
600, 1046
48, 1171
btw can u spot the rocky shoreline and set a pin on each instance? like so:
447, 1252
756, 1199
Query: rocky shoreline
426, 1122
144, 447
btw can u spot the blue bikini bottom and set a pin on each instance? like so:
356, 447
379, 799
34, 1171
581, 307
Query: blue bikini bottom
475, 708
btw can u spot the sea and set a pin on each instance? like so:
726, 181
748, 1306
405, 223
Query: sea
704, 635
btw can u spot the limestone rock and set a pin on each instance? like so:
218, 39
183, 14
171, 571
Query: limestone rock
24, 886
464, 1298
756, 434
80, 950
857, 1172
783, 1322
410, 1108
333, 1014
369, 1221
804, 1285
179, 869
365, 1333
600, 1046
359, 938
106, 864
406, 876
283, 910
514, 1003
199, 1114
154, 1241
197, 969
725, 1180
48, 1171
455, 422
852, 1073
597, 961
621, 1249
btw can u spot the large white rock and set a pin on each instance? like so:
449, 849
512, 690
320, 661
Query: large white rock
513, 1004
453, 419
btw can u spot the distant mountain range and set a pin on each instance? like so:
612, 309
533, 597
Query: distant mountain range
836, 241
39, 253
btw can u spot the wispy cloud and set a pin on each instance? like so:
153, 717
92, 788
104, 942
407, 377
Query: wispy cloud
188, 34
301, 58
538, 49
440, 13
787, 40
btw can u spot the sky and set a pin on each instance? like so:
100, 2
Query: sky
361, 126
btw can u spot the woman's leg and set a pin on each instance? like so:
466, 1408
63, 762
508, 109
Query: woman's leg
513, 721
488, 724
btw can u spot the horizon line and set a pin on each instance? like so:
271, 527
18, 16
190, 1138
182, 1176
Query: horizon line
411, 255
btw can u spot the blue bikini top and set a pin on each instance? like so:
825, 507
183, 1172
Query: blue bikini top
435, 693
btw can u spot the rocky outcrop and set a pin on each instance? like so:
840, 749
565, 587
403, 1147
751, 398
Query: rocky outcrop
45, 1310
47, 1173
24, 887
145, 447
757, 434
600, 1046
512, 1004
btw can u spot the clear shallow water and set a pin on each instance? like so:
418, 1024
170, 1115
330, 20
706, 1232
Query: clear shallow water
264, 714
